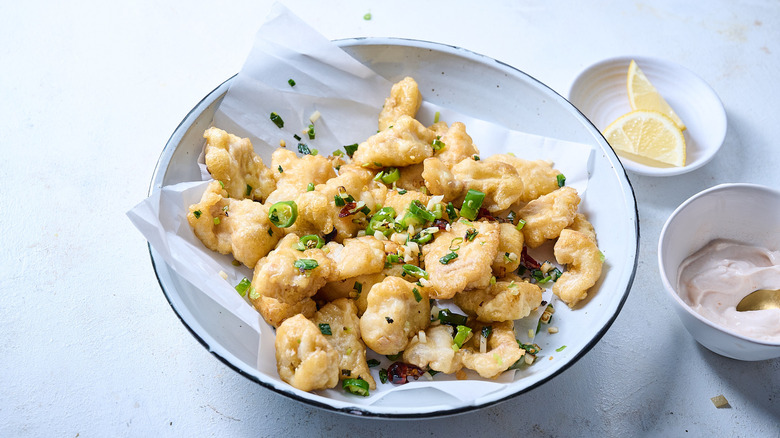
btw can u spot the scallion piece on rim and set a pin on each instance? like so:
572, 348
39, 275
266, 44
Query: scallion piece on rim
471, 204
283, 213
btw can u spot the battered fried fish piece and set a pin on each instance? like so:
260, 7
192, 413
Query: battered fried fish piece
340, 318
274, 312
433, 350
290, 275
582, 225
407, 142
539, 177
411, 177
354, 288
498, 181
510, 246
394, 314
458, 145
304, 358
583, 266
506, 300
293, 174
404, 100
471, 269
503, 350
400, 202
230, 226
359, 255
547, 215
233, 161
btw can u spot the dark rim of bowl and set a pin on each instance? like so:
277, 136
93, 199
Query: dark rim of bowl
355, 411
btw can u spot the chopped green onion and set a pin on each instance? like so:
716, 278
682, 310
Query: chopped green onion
306, 264
451, 211
243, 286
372, 363
216, 221
422, 237
520, 224
438, 144
486, 331
383, 375
325, 329
304, 149
455, 242
280, 169
337, 153
248, 190
471, 233
367, 16
350, 149
471, 204
297, 137
560, 349
382, 221
391, 175
310, 241
277, 120
310, 187
310, 132
283, 213
393, 357
530, 348
561, 180
197, 214
221, 184
417, 209
436, 117
461, 336
356, 386
448, 258
414, 271
388, 319
511, 217
270, 232
475, 157
446, 316
417, 295
291, 82
391, 260
358, 286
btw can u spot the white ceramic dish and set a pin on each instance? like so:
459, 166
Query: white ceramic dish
501, 94
746, 213
600, 93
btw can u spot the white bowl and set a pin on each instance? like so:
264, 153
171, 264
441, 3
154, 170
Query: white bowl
600, 93
472, 84
746, 213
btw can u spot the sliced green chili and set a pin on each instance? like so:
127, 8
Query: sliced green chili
416, 208
243, 286
356, 386
382, 221
471, 204
417, 295
462, 334
448, 258
520, 224
414, 271
310, 241
306, 264
310, 187
283, 213
391, 175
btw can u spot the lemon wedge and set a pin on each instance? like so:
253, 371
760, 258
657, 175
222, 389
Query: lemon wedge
648, 137
642, 95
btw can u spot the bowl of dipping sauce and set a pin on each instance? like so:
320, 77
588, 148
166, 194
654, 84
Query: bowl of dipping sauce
715, 248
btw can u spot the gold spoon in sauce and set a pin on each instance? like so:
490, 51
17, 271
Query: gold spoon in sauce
761, 299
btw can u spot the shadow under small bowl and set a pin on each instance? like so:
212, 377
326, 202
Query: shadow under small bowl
745, 213
600, 92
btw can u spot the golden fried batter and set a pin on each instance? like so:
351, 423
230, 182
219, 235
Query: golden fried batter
404, 100
472, 268
304, 358
293, 175
539, 177
510, 246
358, 255
340, 318
547, 215
233, 161
458, 145
230, 226
407, 142
506, 300
503, 350
583, 266
434, 350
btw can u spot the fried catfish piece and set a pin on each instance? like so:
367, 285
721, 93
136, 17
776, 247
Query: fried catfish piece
358, 255
318, 212
304, 358
510, 246
404, 100
233, 161
502, 350
339, 322
458, 145
498, 181
354, 288
230, 226
274, 312
433, 350
547, 215
505, 300
293, 175
539, 177
407, 142
411, 177
290, 275
583, 266
394, 314
582, 225
475, 244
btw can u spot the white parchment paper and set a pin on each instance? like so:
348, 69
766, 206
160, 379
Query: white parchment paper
348, 97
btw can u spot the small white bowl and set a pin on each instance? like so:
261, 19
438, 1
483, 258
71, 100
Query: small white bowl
747, 213
600, 93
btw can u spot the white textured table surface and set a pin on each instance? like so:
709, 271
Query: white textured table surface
90, 92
